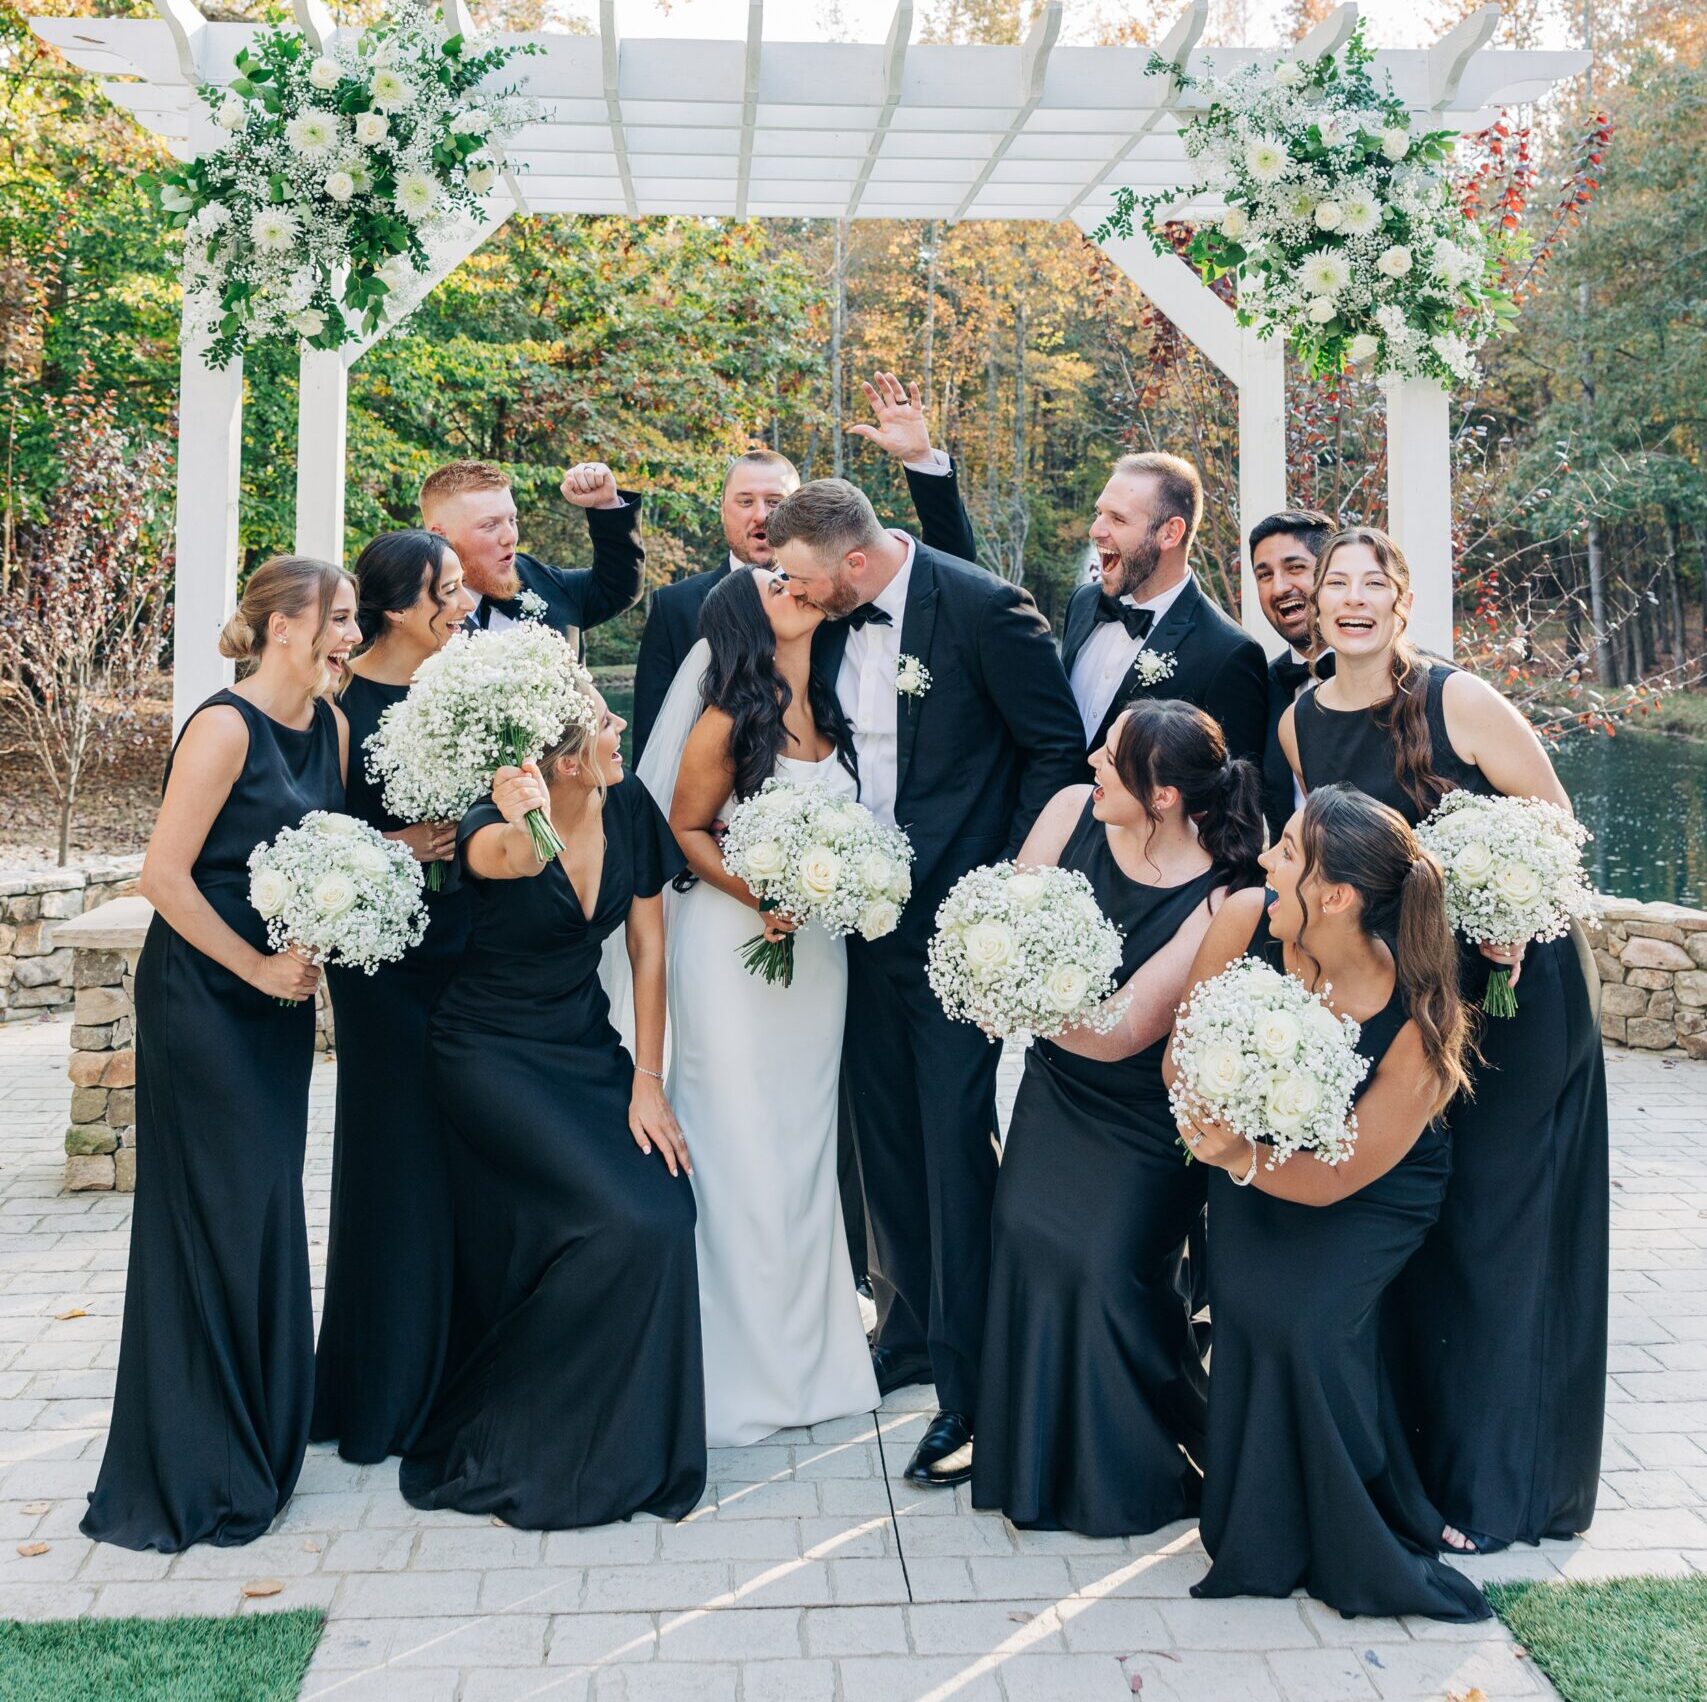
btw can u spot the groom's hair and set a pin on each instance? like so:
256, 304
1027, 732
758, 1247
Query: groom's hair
455, 477
830, 515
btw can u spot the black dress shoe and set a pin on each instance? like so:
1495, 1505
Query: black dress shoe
944, 1455
895, 1370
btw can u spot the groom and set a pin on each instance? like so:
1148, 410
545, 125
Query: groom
962, 766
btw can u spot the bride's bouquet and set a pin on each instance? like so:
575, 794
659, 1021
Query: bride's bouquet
486, 701
338, 891
1024, 951
818, 859
1258, 1051
1514, 871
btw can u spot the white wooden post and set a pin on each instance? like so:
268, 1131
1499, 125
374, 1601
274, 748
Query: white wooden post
1262, 464
321, 426
1419, 504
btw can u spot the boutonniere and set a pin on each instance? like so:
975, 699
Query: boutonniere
532, 606
912, 677
1154, 666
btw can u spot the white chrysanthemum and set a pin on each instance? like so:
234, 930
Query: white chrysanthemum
372, 128
339, 185
273, 230
1360, 213
325, 73
311, 133
390, 91
230, 113
1393, 262
1266, 159
1325, 272
415, 195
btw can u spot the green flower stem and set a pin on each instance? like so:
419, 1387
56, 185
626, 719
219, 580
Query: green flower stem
1499, 1000
773, 959
546, 843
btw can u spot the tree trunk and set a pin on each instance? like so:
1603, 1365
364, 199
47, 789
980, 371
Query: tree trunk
1573, 610
1020, 516
1674, 593
838, 328
930, 318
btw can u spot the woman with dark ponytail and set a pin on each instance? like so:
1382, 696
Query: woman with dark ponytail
1308, 1479
388, 1262
1498, 1327
1091, 1403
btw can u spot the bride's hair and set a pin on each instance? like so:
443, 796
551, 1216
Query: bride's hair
741, 679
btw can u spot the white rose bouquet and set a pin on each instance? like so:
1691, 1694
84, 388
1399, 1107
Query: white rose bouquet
1514, 871
486, 701
1258, 1051
817, 859
1025, 951
338, 891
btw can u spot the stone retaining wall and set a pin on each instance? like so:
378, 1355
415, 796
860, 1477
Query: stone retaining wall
1653, 971
35, 971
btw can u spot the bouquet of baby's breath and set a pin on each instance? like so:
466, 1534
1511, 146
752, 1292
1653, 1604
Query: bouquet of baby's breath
338, 891
1258, 1051
1514, 871
486, 701
818, 859
1025, 951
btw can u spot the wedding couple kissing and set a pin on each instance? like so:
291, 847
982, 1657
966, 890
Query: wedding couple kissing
888, 668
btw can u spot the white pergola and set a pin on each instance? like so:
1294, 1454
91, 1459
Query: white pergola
834, 130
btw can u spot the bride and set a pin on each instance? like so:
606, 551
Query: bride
755, 1067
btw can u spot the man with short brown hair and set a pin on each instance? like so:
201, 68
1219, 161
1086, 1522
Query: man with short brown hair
471, 506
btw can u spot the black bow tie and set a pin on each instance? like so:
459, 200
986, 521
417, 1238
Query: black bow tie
869, 612
1136, 621
1293, 674
483, 613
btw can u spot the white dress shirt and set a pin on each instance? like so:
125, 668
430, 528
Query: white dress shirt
1106, 658
866, 689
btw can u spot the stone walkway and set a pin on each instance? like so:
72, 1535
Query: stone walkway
810, 1573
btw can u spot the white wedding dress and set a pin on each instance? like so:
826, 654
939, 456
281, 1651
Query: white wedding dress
753, 1077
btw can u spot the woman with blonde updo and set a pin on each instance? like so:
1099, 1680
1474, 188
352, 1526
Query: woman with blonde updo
575, 1396
216, 1362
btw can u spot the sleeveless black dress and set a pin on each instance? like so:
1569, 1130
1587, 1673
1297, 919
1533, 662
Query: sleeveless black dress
216, 1360
1498, 1328
1092, 1392
386, 1314
575, 1394
1309, 1480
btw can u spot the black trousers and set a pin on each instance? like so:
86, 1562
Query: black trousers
921, 1094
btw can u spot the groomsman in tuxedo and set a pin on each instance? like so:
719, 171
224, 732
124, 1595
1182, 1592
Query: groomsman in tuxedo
963, 767
470, 504
1145, 610
755, 483
1284, 548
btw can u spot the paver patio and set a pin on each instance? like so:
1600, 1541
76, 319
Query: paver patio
811, 1572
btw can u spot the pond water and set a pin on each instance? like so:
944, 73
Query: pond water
1642, 795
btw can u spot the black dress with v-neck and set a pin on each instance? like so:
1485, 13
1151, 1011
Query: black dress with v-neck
575, 1395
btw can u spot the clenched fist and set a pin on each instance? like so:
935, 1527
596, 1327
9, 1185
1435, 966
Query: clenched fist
591, 484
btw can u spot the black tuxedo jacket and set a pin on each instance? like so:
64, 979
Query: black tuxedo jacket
672, 618
1217, 665
991, 741
1278, 797
577, 598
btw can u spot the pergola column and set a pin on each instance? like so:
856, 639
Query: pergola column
321, 429
1419, 503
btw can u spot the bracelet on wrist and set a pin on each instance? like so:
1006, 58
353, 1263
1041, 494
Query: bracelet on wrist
1250, 1175
641, 1070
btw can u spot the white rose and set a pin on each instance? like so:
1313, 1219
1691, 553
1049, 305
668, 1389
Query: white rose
1517, 883
1234, 223
481, 176
877, 872
1473, 864
371, 128
310, 322
396, 272
336, 825
1219, 1071
1321, 310
1290, 1102
1289, 73
907, 676
989, 948
877, 919
1321, 1023
820, 869
269, 892
1328, 214
1277, 1035
1364, 347
324, 73
1395, 144
471, 121
334, 894
230, 114
765, 861
1027, 891
339, 185
1066, 986
367, 859
1394, 262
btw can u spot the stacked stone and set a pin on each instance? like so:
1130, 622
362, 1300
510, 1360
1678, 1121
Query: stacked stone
1653, 969
100, 1144
35, 970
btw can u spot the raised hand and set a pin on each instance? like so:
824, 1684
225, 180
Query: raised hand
900, 430
516, 791
591, 484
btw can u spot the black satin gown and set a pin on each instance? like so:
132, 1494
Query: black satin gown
216, 1360
1092, 1393
1498, 1327
576, 1394
386, 1316
1309, 1480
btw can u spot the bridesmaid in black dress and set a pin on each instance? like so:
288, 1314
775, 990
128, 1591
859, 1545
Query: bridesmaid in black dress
388, 1263
1499, 1326
216, 1362
580, 1398
1091, 1405
1309, 1481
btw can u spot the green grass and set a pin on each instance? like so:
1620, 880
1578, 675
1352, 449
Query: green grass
257, 1658
1631, 1640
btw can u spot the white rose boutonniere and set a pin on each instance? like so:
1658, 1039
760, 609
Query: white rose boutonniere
912, 677
532, 606
1154, 666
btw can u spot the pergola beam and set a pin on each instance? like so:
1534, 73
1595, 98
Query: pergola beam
1450, 57
894, 67
1330, 35
610, 70
749, 102
316, 22
189, 30
1034, 68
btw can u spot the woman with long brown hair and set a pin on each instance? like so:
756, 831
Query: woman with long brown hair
1308, 1478
216, 1362
1498, 1328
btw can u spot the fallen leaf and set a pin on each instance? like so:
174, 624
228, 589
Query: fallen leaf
30, 1550
1474, 1694
310, 1546
262, 1587
75, 1312
499, 1522
33, 1507
1019, 1616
